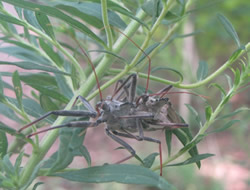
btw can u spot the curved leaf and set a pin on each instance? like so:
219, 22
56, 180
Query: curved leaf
122, 173
229, 28
3, 144
202, 70
34, 66
90, 9
44, 22
193, 159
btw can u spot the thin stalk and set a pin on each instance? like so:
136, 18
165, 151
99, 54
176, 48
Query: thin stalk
105, 21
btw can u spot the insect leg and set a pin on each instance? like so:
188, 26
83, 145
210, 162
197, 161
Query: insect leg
121, 142
79, 124
90, 112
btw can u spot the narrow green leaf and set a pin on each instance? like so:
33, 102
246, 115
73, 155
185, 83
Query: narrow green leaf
229, 28
202, 71
44, 22
18, 162
31, 19
149, 160
194, 159
208, 111
229, 81
147, 52
50, 52
233, 113
9, 113
90, 9
47, 104
168, 137
17, 88
195, 114
185, 136
2, 98
237, 77
121, 173
69, 141
226, 126
12, 20
3, 143
219, 87
54, 12
236, 54
45, 84
63, 86
7, 166
83, 151
34, 66
169, 69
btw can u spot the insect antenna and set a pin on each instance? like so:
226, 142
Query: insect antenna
146, 55
92, 66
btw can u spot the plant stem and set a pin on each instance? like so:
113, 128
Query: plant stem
106, 24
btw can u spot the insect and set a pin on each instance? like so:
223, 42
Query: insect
123, 113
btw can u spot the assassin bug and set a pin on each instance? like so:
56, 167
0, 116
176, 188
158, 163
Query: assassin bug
123, 113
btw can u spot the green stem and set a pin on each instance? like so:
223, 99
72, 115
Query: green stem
51, 136
106, 24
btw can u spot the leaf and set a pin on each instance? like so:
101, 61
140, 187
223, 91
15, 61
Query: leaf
48, 105
236, 54
185, 136
147, 52
9, 113
208, 111
34, 66
226, 126
63, 86
191, 160
7, 166
17, 88
202, 70
219, 87
2, 97
69, 142
122, 173
149, 160
169, 69
229, 28
31, 19
168, 137
86, 10
45, 84
11, 19
54, 12
237, 77
25, 54
18, 162
44, 22
229, 81
195, 114
83, 151
3, 143
233, 113
50, 52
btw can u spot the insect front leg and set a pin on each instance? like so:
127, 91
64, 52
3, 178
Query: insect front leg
90, 112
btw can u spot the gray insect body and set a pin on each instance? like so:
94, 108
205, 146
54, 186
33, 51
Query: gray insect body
112, 111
